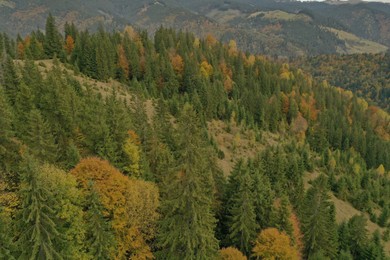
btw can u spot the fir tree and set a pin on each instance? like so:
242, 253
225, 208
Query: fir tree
283, 217
39, 237
9, 79
100, 238
5, 236
52, 44
243, 226
263, 195
187, 226
39, 138
318, 221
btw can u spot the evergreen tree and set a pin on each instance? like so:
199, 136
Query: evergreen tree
52, 44
243, 226
39, 237
39, 138
5, 237
283, 217
100, 238
6, 119
9, 79
317, 218
187, 225
263, 195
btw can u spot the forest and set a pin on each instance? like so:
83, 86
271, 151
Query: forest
367, 75
133, 172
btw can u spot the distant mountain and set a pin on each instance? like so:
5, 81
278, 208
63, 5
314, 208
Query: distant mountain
278, 28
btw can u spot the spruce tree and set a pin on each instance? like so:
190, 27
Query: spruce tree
243, 226
39, 138
318, 223
187, 225
6, 119
5, 236
100, 238
38, 231
283, 217
52, 44
263, 195
9, 79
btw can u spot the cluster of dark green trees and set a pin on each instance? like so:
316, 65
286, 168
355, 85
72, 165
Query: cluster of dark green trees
48, 117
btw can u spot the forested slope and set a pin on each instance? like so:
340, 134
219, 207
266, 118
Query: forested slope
367, 75
94, 172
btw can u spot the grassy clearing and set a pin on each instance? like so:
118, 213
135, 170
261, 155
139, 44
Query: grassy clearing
355, 44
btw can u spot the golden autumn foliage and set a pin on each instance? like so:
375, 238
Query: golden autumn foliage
130, 32
226, 71
210, 40
308, 107
68, 206
130, 204
123, 63
8, 199
132, 150
228, 84
20, 50
299, 126
69, 44
285, 72
272, 244
297, 233
196, 43
285, 103
206, 69
22, 46
380, 120
231, 253
381, 170
177, 64
250, 60
232, 48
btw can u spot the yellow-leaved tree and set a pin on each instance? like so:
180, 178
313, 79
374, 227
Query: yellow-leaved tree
272, 244
231, 253
132, 150
206, 69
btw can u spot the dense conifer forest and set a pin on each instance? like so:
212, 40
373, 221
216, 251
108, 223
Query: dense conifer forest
131, 169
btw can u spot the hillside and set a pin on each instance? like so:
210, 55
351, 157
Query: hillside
285, 29
117, 145
367, 75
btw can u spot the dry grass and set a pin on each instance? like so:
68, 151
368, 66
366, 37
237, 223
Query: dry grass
282, 16
354, 44
237, 144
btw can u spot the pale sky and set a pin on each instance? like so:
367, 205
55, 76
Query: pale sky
383, 1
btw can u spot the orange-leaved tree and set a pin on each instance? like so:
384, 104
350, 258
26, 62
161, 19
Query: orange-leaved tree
129, 204
69, 44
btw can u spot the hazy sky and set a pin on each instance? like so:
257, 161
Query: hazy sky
384, 1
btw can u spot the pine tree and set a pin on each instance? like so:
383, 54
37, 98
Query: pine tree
243, 226
39, 237
187, 226
100, 238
